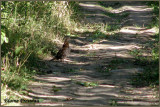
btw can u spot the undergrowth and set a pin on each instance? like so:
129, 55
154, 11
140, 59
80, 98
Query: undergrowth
150, 64
150, 76
30, 31
155, 6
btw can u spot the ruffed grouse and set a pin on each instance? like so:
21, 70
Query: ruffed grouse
64, 51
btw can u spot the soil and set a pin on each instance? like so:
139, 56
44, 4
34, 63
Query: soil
63, 82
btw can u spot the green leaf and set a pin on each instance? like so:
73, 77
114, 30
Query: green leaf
41, 100
6, 39
18, 49
3, 37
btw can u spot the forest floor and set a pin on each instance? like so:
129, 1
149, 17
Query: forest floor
99, 73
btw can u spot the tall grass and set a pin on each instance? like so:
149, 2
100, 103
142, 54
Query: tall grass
32, 28
155, 6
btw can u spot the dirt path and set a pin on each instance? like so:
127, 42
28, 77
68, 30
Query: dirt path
64, 83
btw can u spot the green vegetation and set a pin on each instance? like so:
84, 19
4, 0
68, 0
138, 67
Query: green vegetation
113, 65
92, 54
87, 84
70, 70
155, 20
29, 32
56, 89
97, 35
113, 102
150, 63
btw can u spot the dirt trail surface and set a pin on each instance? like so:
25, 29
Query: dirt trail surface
64, 82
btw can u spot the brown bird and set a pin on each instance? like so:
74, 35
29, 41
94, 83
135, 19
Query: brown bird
64, 51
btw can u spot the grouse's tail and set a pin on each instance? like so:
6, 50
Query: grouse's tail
53, 59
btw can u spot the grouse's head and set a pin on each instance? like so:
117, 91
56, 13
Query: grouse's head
67, 38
